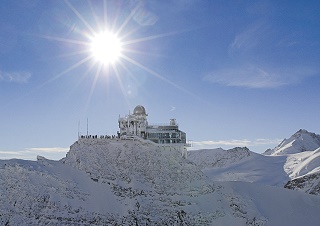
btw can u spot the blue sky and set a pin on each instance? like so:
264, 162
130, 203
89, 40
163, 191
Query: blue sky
233, 73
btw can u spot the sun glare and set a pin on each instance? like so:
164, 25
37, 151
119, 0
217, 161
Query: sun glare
106, 47
104, 51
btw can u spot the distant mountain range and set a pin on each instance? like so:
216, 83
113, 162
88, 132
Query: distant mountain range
137, 182
294, 163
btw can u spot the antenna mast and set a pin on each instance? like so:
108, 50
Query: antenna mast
79, 129
87, 127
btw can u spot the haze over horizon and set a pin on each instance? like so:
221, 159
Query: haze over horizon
232, 73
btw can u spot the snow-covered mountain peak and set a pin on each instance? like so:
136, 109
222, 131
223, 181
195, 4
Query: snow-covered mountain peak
300, 141
142, 162
301, 133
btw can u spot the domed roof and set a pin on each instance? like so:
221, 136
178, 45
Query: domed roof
139, 110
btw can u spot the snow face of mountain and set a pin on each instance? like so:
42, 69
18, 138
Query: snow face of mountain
303, 163
304, 169
301, 141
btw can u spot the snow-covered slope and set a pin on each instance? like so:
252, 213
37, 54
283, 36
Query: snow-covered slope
280, 206
304, 169
50, 192
135, 182
301, 141
240, 164
206, 159
303, 163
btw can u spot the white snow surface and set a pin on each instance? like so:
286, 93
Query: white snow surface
135, 182
303, 163
240, 164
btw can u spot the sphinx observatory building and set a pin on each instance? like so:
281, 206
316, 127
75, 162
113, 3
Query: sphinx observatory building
136, 124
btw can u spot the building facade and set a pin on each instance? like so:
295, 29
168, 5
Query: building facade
136, 124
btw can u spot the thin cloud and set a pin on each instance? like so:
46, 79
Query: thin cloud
222, 142
10, 152
234, 143
48, 150
16, 155
249, 38
258, 77
54, 153
15, 76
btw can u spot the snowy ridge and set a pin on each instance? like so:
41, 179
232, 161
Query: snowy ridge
301, 141
220, 158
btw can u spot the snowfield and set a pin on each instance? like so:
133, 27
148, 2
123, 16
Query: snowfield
136, 182
294, 158
248, 167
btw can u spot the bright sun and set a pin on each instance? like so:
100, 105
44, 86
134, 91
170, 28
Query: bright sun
106, 47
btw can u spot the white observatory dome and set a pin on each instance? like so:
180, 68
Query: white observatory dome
139, 110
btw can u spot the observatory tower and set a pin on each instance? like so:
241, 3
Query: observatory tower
136, 124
